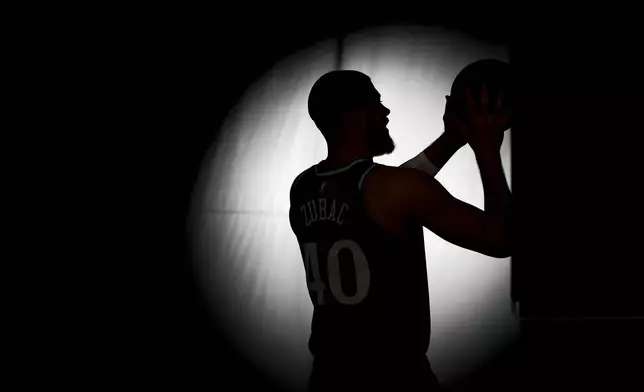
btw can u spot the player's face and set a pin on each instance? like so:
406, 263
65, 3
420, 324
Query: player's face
376, 132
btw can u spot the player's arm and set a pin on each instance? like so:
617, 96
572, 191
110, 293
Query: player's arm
420, 199
432, 159
416, 197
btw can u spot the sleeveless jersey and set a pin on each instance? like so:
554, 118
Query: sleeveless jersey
368, 287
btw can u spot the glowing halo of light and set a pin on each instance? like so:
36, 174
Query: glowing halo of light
245, 254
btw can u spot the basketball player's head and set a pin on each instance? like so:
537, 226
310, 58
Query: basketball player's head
348, 110
495, 74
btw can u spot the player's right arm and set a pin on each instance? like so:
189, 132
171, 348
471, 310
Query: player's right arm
413, 197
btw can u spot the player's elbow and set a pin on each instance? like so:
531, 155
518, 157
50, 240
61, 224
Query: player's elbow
499, 244
501, 252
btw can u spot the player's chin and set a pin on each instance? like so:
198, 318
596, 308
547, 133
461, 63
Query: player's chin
384, 149
389, 146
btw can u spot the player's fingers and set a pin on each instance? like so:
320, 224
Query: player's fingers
451, 118
499, 101
503, 118
460, 125
469, 101
448, 118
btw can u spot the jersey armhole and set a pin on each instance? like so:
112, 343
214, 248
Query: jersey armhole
362, 177
296, 181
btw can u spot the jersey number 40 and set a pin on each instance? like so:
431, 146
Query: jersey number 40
317, 284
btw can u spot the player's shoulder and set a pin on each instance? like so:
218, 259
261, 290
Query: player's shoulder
297, 180
393, 186
383, 177
380, 180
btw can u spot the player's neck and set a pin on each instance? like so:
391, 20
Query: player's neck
336, 159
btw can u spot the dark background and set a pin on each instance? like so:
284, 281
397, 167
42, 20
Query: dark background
172, 80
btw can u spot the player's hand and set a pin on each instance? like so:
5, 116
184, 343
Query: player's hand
451, 127
484, 124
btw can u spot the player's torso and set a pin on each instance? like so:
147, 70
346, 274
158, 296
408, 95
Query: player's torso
368, 283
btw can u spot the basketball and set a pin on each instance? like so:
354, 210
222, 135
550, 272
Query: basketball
495, 74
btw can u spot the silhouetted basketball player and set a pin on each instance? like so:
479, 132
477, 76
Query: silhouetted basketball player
360, 230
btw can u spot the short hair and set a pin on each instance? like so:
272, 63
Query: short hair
334, 94
495, 74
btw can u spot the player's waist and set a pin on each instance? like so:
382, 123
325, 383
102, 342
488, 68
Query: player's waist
369, 345
379, 357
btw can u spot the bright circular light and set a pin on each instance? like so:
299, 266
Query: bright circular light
248, 258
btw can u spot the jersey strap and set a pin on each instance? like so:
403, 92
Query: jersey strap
342, 169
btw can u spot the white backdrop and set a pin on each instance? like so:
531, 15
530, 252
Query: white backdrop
245, 252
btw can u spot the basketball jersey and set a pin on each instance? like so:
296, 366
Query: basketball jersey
368, 287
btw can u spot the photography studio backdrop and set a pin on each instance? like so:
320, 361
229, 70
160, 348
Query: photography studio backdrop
247, 258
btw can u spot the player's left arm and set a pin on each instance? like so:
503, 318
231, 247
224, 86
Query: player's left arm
432, 159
